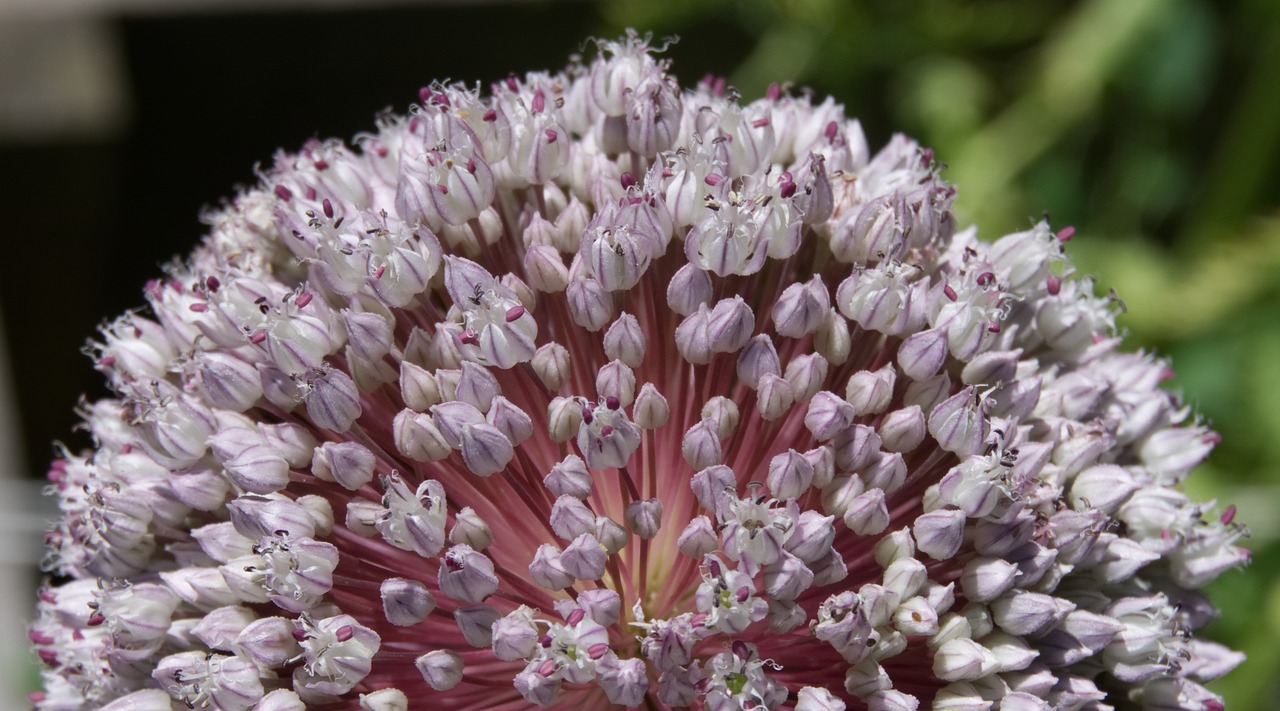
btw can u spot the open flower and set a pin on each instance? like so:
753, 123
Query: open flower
589, 391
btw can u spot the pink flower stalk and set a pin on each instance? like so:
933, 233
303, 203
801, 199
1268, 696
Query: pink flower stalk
591, 392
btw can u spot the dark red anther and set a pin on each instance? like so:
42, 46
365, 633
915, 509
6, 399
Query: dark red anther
345, 633
96, 619
1229, 515
328, 208
587, 416
377, 273
321, 164
774, 92
258, 337
490, 116
718, 88
597, 650
787, 189
741, 650
424, 94
539, 102
994, 327
551, 135
627, 180
48, 656
471, 165
514, 313
126, 449
545, 641
949, 292
199, 307
926, 158
284, 193
986, 278
1066, 233
667, 173
713, 179
576, 616
760, 123
211, 283
547, 667
303, 299
831, 131
107, 361
511, 83
714, 566
1053, 284
442, 188
744, 592
612, 402
311, 193
606, 431
469, 337
300, 635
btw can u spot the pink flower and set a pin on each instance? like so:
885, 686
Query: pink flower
590, 391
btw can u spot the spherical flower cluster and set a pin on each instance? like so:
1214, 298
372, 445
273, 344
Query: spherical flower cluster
589, 391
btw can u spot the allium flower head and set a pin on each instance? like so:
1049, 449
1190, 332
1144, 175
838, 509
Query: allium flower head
586, 390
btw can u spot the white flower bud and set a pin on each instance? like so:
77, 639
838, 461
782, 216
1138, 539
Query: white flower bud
441, 668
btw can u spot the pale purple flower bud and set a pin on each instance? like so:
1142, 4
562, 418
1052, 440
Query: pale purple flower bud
698, 538
467, 575
833, 340
757, 359
812, 536
571, 518
922, 354
653, 122
470, 529
828, 416
985, 579
624, 681
269, 641
802, 308
840, 493
350, 464
786, 578
569, 477
790, 475
514, 423
389, 699
584, 558
812, 698
651, 410
249, 461
939, 533
866, 677
725, 412
218, 629
477, 387
867, 514
959, 423
963, 659
590, 304
1023, 613
624, 341
806, 373
547, 570
691, 336
688, 290
227, 382
332, 401
475, 622
515, 636
441, 668
712, 484
416, 437
701, 445
644, 518
564, 418
616, 380
870, 392
856, 447
226, 682
151, 700
406, 602
774, 396
551, 363
485, 449
902, 430
611, 534
730, 325
545, 269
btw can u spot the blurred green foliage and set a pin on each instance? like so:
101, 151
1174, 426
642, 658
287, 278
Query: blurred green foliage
1152, 125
